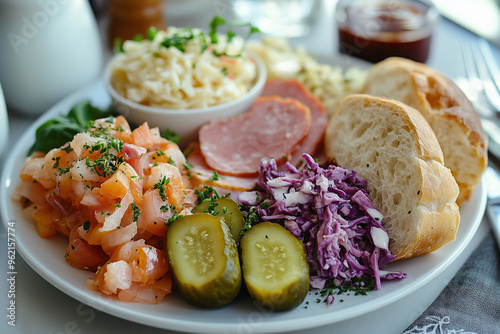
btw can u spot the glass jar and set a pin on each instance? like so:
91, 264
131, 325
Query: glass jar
376, 29
129, 18
283, 18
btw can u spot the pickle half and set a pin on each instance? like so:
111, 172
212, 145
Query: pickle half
204, 260
228, 210
275, 268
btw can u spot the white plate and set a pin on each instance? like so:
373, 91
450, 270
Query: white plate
4, 122
46, 257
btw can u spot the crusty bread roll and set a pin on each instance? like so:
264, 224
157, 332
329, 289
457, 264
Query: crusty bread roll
451, 115
393, 147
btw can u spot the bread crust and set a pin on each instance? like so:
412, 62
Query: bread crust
440, 216
433, 217
449, 113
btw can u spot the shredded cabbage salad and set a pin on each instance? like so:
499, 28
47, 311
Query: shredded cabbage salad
330, 212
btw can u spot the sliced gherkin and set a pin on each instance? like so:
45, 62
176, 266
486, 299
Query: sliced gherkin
228, 210
204, 260
275, 268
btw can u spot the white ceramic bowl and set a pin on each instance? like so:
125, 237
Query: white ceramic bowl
185, 122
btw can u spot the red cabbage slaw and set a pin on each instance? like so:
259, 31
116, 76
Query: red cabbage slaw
330, 212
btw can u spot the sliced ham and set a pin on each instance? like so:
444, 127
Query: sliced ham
201, 174
273, 128
292, 88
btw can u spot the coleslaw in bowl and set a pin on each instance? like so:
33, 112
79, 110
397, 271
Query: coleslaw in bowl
179, 79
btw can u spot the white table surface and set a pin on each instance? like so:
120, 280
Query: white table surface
41, 308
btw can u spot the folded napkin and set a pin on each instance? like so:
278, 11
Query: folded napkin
470, 303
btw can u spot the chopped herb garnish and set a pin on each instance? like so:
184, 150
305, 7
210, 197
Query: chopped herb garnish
179, 39
207, 194
117, 144
56, 162
86, 225
67, 148
265, 205
161, 186
170, 135
138, 38
151, 33
62, 171
214, 24
251, 217
211, 208
215, 176
173, 218
136, 212
358, 285
118, 45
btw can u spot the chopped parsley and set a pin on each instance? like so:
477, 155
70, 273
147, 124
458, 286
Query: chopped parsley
179, 39
86, 225
136, 212
173, 218
251, 217
265, 205
118, 45
151, 33
208, 194
56, 159
182, 36
170, 135
161, 186
357, 285
173, 210
167, 207
215, 176
211, 208
107, 163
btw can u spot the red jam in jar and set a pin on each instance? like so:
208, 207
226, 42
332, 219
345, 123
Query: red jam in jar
377, 29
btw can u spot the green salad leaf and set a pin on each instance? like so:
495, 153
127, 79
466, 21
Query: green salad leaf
61, 129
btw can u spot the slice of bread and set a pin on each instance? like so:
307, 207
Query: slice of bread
393, 147
451, 115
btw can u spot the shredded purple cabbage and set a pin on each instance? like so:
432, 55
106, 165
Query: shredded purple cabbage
330, 212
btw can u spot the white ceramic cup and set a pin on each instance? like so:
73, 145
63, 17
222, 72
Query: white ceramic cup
48, 48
